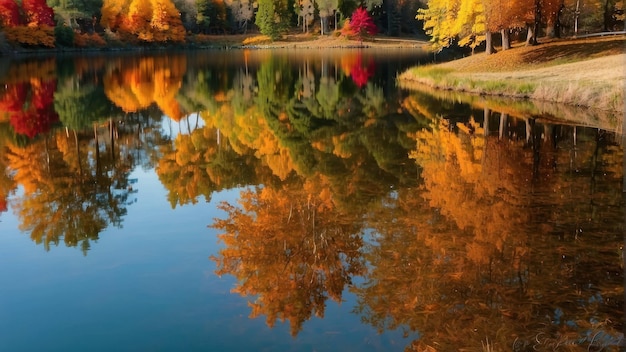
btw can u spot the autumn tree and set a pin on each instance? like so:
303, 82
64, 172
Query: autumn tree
37, 12
9, 14
360, 25
113, 13
32, 23
144, 20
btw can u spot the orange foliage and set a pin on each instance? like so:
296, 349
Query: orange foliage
289, 248
32, 35
83, 40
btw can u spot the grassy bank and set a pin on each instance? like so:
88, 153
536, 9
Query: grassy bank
589, 73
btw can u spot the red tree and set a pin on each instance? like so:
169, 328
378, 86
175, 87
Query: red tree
37, 12
360, 73
360, 24
9, 13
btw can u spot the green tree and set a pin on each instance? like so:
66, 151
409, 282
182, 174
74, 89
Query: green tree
273, 17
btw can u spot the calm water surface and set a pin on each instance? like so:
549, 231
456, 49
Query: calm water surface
299, 201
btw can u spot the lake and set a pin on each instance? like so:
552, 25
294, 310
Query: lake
300, 200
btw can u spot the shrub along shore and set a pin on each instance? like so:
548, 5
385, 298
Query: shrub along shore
584, 72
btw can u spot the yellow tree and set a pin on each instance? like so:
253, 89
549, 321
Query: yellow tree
113, 13
145, 20
166, 22
138, 20
439, 22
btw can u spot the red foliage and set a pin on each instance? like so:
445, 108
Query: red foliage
13, 98
33, 122
361, 74
37, 12
3, 205
360, 24
9, 13
34, 116
43, 94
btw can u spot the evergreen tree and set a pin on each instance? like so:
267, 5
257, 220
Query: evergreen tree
265, 19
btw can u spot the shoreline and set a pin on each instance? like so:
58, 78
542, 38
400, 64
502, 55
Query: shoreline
237, 42
582, 73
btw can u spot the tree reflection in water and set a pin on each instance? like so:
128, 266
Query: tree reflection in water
487, 228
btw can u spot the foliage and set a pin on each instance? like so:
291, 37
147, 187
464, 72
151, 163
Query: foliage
9, 14
32, 26
272, 18
242, 12
257, 39
360, 25
85, 40
64, 35
144, 20
265, 19
30, 36
37, 13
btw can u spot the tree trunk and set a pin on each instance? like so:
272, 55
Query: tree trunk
550, 29
607, 15
537, 22
557, 22
489, 44
506, 40
531, 38
486, 116
576, 15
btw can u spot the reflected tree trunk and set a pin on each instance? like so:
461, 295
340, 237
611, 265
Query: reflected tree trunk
503, 125
80, 166
95, 136
486, 115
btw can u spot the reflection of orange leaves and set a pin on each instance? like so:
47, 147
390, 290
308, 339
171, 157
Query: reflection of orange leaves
150, 80
348, 62
121, 94
340, 149
171, 109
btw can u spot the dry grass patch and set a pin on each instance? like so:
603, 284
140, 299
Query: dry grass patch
582, 73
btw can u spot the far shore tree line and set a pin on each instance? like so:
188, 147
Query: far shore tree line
471, 23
